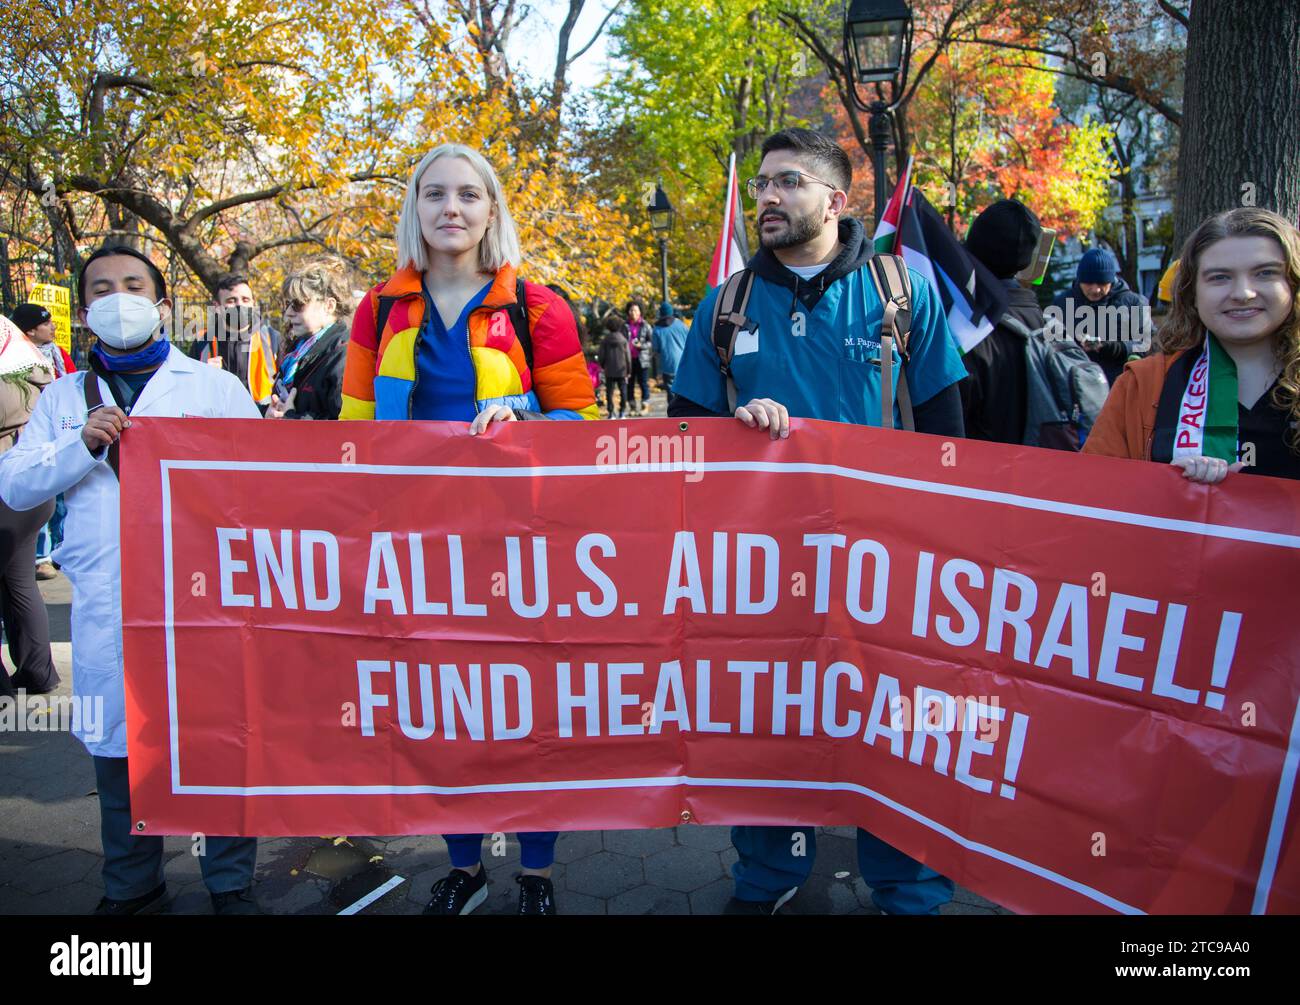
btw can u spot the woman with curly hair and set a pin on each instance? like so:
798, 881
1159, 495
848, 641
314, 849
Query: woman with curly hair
317, 321
1223, 394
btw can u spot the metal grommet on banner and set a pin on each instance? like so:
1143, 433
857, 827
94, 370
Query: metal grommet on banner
139, 825
684, 426
686, 816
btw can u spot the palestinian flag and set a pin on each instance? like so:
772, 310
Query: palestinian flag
887, 229
732, 251
973, 299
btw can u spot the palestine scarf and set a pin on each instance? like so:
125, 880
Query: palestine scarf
1207, 413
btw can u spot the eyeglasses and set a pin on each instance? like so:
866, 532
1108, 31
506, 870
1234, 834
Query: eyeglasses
786, 182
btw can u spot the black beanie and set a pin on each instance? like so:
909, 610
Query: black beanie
28, 316
1004, 237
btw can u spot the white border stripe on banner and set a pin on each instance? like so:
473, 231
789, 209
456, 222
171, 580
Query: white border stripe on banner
1281, 808
1286, 785
771, 467
169, 613
659, 781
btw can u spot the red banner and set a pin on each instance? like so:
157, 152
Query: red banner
1068, 682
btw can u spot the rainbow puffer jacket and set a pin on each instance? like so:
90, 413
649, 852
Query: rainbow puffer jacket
380, 371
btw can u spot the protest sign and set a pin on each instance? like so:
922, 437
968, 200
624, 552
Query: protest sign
1068, 682
58, 301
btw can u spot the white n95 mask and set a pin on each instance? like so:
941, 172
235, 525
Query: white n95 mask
124, 320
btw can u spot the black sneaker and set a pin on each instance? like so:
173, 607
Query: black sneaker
235, 902
151, 903
536, 895
735, 906
19, 682
458, 893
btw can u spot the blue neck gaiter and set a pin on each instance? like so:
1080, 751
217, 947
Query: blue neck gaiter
150, 356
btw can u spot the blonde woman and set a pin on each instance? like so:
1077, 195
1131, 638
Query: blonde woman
448, 336
1223, 395
455, 335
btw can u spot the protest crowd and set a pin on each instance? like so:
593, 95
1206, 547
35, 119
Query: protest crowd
818, 325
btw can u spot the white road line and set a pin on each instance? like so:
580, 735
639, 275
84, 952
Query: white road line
372, 896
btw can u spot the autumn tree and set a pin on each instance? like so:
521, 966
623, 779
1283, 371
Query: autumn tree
180, 119
246, 133
983, 131
818, 25
1220, 71
1131, 47
697, 83
1143, 148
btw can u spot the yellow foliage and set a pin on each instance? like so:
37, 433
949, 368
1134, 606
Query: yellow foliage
324, 104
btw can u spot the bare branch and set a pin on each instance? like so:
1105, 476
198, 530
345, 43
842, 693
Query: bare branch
104, 81
221, 205
1178, 15
1081, 69
262, 195
282, 242
272, 62
599, 31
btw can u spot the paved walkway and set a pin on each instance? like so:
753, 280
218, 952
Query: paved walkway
50, 852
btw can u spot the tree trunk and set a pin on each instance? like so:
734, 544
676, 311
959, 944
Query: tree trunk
6, 283
743, 139
1241, 134
1127, 250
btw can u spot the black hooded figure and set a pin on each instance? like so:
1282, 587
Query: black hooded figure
1004, 237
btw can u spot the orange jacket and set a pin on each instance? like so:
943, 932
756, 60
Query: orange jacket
1128, 419
381, 365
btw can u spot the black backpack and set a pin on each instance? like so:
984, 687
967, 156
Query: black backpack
1064, 389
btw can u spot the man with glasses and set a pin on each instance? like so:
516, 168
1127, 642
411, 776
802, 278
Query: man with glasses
813, 351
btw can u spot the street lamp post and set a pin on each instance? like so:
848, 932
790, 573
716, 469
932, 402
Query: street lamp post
877, 48
662, 215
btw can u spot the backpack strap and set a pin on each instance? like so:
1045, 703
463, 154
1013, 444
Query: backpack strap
1014, 325
729, 320
893, 285
518, 312
94, 400
381, 315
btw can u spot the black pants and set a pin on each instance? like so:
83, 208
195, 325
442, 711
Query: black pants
640, 377
610, 384
27, 626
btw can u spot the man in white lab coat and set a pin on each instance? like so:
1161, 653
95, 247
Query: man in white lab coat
70, 446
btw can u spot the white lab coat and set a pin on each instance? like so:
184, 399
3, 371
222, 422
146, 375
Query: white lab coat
51, 458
